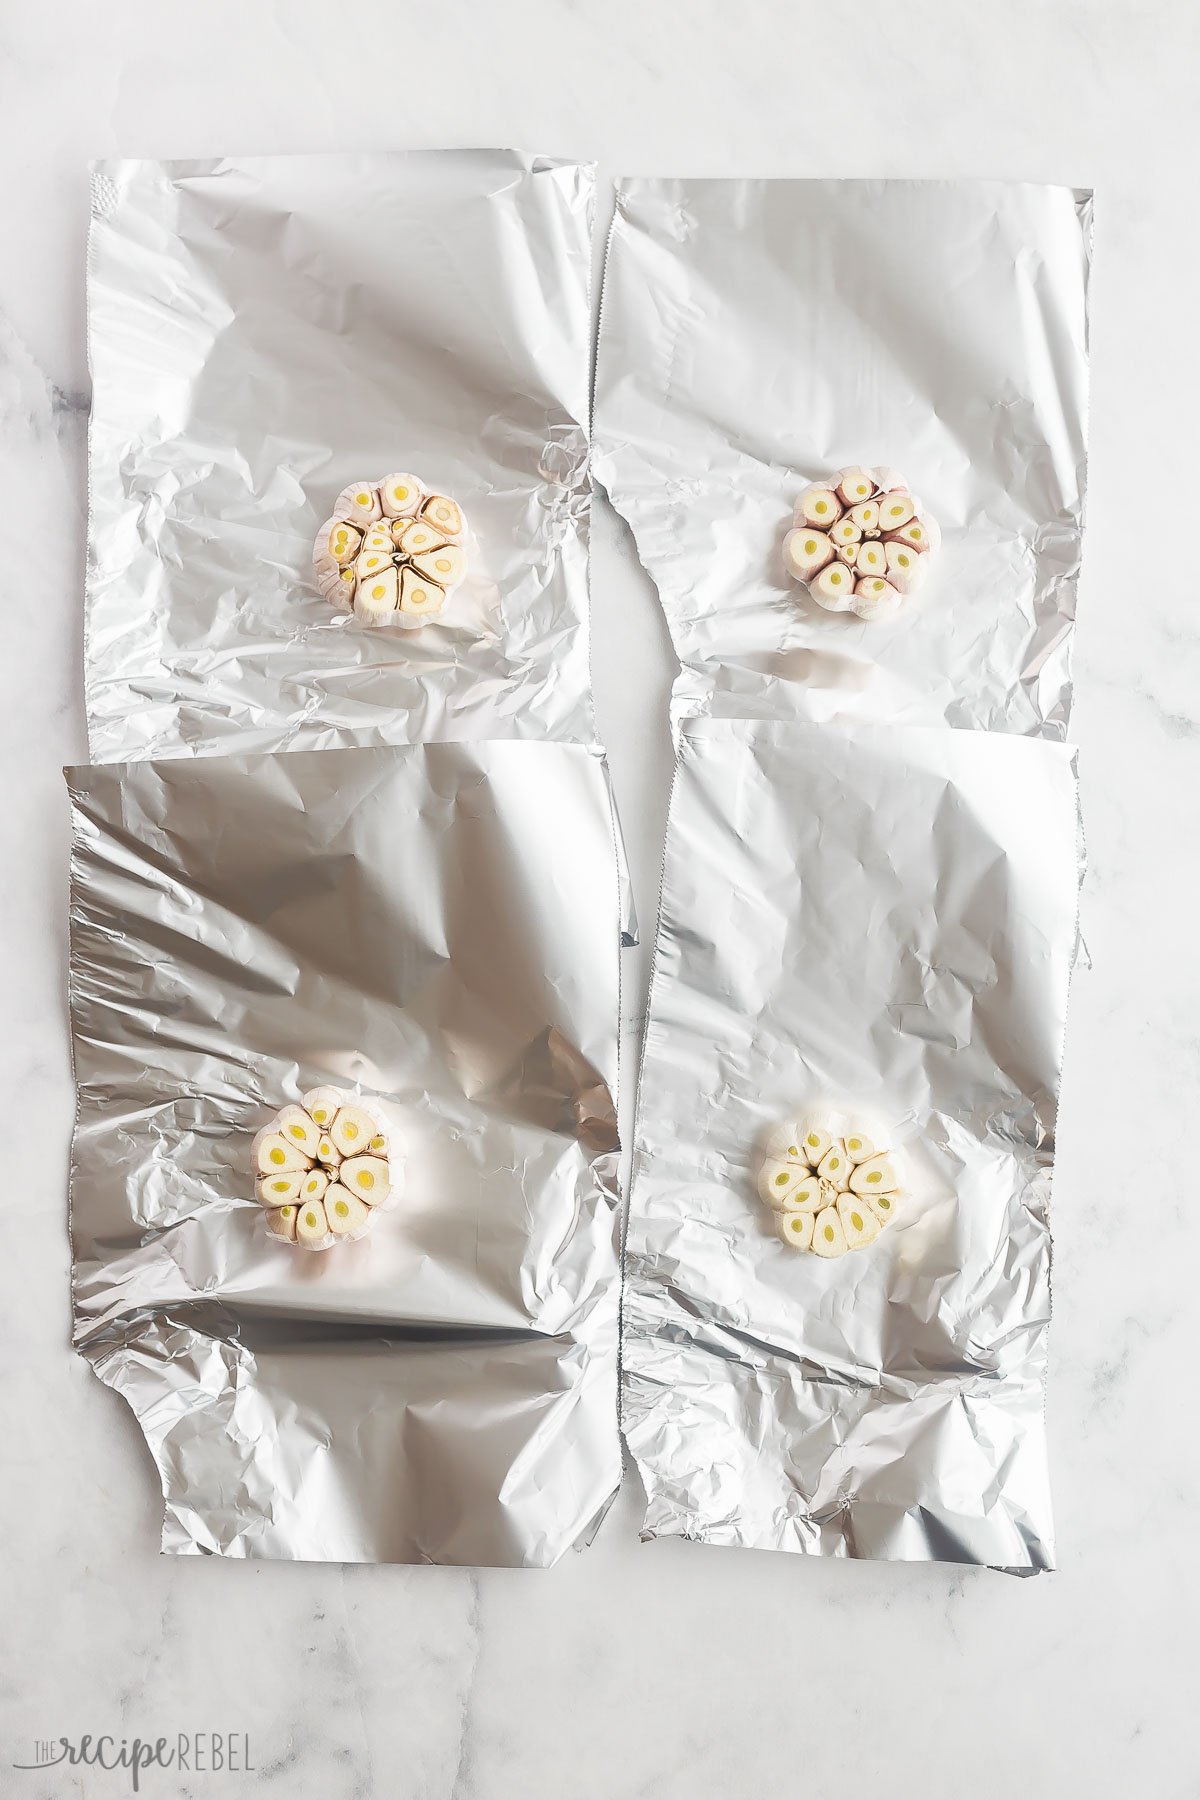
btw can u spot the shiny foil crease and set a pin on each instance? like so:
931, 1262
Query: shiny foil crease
263, 331
436, 927
756, 335
884, 919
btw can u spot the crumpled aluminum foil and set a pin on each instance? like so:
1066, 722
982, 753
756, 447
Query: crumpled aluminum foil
882, 919
264, 330
435, 927
756, 335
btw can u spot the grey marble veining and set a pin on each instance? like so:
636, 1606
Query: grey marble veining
664, 1671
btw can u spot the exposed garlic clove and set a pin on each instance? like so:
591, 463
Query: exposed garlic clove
848, 553
371, 563
416, 536
834, 1166
776, 1180
845, 532
916, 533
312, 1226
296, 1125
858, 1221
367, 1176
328, 1153
905, 567
342, 542
375, 599
895, 511
807, 1195
883, 1206
818, 506
872, 560
281, 1223
444, 514
866, 517
796, 1229
313, 1185
321, 1104
828, 1238
377, 541
347, 1216
420, 597
854, 486
271, 1154
859, 1147
445, 566
878, 1175
359, 503
352, 1129
806, 552
815, 1141
277, 1190
834, 587
400, 495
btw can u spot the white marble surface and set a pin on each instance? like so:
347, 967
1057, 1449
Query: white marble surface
665, 1671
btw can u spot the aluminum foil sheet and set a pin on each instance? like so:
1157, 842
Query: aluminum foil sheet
882, 919
264, 331
436, 929
756, 335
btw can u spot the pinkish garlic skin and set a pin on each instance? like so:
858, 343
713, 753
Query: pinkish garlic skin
889, 480
877, 603
336, 591
933, 531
